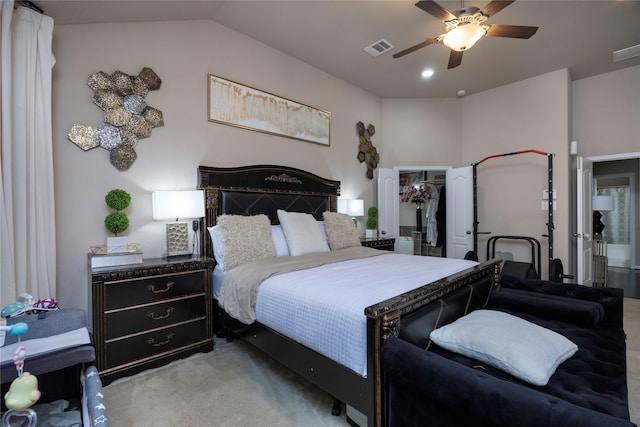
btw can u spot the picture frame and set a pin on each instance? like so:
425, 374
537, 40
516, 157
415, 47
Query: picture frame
234, 104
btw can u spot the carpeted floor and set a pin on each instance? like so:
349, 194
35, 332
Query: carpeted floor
237, 385
234, 385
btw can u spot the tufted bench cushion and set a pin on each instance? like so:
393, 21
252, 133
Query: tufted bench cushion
589, 389
554, 307
595, 377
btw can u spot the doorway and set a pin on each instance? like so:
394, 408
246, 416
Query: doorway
399, 219
601, 166
422, 226
618, 232
614, 167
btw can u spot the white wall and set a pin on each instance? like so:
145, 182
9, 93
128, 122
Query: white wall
531, 114
606, 113
181, 53
421, 132
606, 120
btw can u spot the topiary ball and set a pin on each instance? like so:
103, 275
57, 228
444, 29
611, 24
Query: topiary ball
116, 222
372, 212
117, 199
372, 223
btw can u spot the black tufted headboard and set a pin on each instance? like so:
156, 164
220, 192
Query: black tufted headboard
263, 189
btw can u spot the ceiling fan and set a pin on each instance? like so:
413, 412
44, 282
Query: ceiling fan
464, 27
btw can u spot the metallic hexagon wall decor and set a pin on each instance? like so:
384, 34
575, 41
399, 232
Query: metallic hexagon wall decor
127, 116
366, 151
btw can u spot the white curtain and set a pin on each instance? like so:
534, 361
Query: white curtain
27, 226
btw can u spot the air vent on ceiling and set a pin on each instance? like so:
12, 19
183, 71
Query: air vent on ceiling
628, 53
378, 48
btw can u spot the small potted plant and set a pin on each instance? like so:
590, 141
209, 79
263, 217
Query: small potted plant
372, 222
117, 222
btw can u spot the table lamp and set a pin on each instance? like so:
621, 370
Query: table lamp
178, 205
601, 203
352, 207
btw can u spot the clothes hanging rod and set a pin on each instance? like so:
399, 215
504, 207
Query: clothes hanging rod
31, 5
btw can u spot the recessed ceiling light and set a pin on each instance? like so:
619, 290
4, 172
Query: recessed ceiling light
427, 73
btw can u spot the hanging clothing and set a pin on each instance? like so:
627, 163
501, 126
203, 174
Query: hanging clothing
441, 216
431, 207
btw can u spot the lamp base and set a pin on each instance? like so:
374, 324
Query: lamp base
598, 226
177, 239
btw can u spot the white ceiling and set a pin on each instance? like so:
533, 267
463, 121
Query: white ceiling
331, 35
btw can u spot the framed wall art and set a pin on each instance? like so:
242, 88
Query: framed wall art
234, 104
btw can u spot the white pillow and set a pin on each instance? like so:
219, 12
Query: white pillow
279, 240
514, 345
302, 233
341, 231
218, 247
245, 239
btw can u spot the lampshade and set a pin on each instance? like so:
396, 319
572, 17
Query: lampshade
603, 203
351, 207
464, 36
177, 204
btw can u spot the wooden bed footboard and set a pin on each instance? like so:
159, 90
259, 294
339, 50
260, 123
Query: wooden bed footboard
384, 319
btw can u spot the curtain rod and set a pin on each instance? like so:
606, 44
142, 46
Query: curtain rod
31, 5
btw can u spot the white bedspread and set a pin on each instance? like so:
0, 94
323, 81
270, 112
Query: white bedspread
323, 307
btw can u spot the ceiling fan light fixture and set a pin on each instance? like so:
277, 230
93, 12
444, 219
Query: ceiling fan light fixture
464, 36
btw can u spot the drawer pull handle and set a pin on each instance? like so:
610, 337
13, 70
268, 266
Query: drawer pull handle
153, 342
152, 288
152, 315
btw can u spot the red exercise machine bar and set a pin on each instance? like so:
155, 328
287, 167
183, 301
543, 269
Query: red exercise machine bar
550, 226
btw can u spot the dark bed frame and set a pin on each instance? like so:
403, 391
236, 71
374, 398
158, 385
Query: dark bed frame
262, 189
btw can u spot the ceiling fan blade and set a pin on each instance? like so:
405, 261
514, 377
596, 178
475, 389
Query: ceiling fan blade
435, 10
425, 43
494, 7
513, 31
455, 59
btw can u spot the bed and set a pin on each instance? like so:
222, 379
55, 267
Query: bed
279, 193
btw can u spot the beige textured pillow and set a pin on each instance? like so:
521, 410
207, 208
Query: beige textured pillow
245, 239
341, 231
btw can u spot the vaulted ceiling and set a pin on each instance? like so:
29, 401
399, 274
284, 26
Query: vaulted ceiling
331, 35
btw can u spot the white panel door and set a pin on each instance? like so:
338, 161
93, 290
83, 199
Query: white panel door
388, 202
459, 211
584, 237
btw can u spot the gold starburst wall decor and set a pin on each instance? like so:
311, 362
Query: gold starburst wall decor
366, 151
127, 117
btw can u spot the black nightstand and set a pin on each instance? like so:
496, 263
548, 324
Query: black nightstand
146, 315
382, 243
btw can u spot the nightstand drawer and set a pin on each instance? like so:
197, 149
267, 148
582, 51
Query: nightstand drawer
125, 293
153, 343
129, 321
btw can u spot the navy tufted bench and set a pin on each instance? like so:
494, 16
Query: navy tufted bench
440, 388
